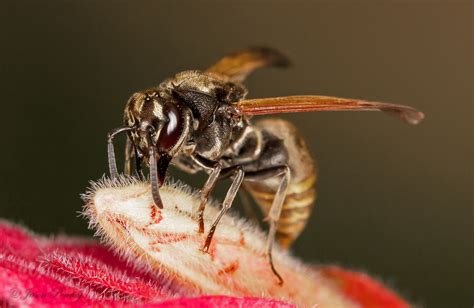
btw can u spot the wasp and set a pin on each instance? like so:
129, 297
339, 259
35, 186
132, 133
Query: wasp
202, 121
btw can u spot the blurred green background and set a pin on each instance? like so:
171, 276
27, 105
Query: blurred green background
395, 201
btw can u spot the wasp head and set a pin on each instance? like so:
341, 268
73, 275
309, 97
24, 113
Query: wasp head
158, 126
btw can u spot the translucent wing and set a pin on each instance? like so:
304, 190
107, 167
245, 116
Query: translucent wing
307, 103
238, 65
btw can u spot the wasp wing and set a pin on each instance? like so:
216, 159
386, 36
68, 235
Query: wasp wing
238, 65
307, 103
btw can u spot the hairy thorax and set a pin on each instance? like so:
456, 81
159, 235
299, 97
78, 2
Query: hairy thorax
216, 120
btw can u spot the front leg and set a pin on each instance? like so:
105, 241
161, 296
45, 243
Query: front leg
129, 154
111, 152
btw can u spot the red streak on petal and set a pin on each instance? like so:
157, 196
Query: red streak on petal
156, 215
120, 222
242, 238
230, 269
168, 238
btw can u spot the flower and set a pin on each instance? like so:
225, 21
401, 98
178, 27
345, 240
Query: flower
153, 258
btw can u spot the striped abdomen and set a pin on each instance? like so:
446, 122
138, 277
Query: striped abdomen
299, 203
301, 194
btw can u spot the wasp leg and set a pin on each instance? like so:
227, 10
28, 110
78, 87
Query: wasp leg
138, 165
154, 179
183, 163
129, 153
214, 170
110, 150
132, 152
247, 206
206, 191
227, 203
277, 205
238, 144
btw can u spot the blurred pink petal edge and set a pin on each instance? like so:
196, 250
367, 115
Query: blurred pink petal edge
39, 271
43, 272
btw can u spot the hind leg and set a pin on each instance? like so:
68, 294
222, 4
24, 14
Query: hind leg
276, 207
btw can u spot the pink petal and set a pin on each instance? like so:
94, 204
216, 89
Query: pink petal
40, 272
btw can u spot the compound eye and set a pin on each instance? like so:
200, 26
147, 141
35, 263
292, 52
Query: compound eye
172, 129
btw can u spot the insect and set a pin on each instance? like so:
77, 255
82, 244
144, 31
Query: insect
201, 121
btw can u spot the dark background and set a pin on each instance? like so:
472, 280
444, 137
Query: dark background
394, 200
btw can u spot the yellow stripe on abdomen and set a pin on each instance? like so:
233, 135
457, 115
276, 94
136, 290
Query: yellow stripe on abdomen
296, 209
